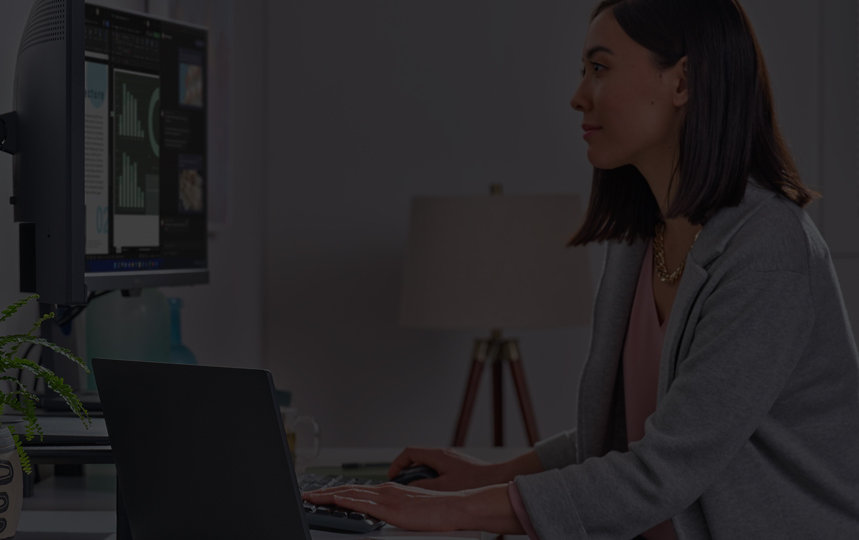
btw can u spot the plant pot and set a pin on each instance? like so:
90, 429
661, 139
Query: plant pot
11, 485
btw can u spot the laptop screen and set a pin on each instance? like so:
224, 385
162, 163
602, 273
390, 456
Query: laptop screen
200, 451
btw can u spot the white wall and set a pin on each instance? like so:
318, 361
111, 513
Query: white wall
222, 321
374, 102
370, 104
839, 144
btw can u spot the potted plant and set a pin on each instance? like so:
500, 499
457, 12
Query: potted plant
15, 395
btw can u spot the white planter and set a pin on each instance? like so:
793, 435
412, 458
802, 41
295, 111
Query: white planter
11, 485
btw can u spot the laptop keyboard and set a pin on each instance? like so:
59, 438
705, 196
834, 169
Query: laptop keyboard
336, 518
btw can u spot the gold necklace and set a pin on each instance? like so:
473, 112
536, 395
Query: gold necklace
659, 256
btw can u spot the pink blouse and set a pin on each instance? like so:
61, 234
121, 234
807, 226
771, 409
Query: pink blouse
641, 353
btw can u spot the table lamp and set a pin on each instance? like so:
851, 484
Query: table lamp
492, 263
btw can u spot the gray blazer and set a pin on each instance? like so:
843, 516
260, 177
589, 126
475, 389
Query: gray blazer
756, 430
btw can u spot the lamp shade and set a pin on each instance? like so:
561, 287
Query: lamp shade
494, 262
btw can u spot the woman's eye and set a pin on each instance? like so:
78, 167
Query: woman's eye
595, 67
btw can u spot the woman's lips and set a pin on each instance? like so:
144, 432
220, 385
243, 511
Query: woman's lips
590, 130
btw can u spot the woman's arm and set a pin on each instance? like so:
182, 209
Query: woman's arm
458, 471
528, 463
489, 509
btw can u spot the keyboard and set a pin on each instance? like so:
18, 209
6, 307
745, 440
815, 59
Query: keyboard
336, 518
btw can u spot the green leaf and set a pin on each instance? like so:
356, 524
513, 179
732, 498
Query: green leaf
39, 321
12, 309
26, 466
17, 339
20, 398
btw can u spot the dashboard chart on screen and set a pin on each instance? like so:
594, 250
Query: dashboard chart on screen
145, 156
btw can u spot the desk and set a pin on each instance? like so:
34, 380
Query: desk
84, 508
68, 430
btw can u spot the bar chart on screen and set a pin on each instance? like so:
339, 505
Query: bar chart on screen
130, 195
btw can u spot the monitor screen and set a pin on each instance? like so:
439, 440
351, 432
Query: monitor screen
109, 142
144, 151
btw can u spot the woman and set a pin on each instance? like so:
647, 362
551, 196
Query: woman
720, 398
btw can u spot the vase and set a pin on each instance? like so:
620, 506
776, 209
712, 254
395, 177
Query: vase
127, 328
11, 485
179, 353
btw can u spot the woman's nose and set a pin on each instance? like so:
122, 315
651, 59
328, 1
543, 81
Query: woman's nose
579, 101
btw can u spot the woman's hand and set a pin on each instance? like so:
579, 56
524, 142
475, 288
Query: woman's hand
419, 509
456, 471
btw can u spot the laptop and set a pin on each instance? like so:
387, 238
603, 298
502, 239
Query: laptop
200, 452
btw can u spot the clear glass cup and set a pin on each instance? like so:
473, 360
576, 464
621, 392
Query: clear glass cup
302, 434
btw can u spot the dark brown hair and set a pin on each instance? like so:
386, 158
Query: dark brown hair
729, 133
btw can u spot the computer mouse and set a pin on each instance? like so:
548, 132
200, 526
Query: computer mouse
418, 472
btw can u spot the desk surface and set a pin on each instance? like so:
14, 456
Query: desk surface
67, 430
83, 508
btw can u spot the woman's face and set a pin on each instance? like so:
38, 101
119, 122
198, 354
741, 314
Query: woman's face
635, 108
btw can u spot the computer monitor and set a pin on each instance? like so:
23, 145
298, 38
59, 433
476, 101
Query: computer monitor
109, 143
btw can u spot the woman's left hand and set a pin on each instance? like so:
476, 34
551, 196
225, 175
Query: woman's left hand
419, 509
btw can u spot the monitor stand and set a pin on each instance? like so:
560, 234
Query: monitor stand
70, 372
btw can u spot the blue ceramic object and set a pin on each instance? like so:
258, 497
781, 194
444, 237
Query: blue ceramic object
179, 353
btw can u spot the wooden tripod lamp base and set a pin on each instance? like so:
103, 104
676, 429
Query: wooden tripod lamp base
497, 352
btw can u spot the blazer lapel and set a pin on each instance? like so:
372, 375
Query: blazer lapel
611, 317
693, 280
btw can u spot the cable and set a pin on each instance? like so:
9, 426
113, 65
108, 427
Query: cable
71, 313
63, 323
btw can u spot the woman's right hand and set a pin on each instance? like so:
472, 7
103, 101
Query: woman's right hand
456, 471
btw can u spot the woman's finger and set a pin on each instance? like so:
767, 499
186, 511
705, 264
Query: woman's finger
426, 483
339, 490
411, 456
369, 501
360, 504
